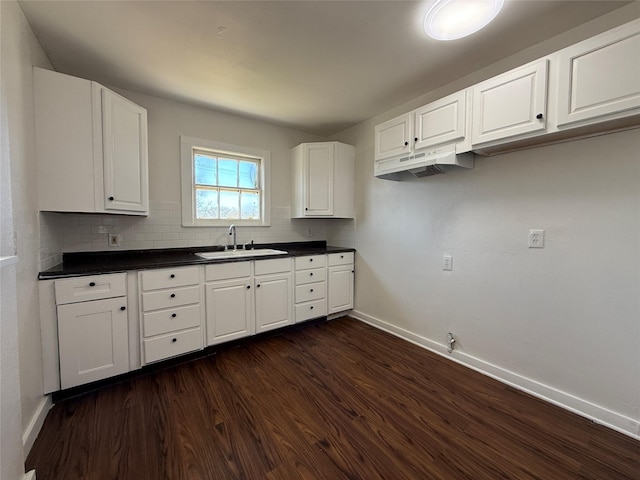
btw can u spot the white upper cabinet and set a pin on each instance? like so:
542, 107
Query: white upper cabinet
599, 78
323, 180
438, 123
124, 134
394, 137
91, 147
511, 104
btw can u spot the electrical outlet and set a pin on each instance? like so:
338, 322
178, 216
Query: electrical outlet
115, 239
536, 238
447, 262
309, 232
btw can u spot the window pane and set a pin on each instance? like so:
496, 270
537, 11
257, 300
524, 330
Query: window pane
204, 169
227, 173
229, 205
250, 206
248, 173
207, 204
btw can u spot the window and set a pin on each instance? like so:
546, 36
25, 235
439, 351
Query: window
223, 184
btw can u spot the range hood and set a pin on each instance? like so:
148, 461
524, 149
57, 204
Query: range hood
423, 164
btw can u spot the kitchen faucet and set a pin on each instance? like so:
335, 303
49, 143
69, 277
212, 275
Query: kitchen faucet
232, 231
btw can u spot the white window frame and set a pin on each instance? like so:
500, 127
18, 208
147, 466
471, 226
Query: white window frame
187, 145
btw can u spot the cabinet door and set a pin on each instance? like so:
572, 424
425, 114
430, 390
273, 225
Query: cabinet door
442, 121
273, 301
394, 137
229, 306
124, 132
600, 76
510, 104
93, 341
319, 179
340, 288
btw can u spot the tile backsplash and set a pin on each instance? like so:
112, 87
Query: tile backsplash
77, 232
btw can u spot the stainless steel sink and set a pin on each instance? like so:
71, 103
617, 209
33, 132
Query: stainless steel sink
257, 252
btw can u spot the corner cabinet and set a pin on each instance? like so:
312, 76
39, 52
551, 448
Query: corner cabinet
323, 180
91, 147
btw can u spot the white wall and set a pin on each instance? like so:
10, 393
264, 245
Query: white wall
20, 50
563, 321
168, 120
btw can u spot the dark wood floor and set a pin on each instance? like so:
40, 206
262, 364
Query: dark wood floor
337, 400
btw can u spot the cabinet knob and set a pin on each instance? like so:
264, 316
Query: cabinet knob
311, 290
353, 271
111, 199
311, 307
92, 284
415, 139
311, 259
341, 256
174, 340
123, 308
306, 208
311, 274
172, 275
248, 287
539, 116
406, 143
258, 286
174, 315
173, 295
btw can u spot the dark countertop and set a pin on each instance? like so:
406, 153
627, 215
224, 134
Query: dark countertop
93, 263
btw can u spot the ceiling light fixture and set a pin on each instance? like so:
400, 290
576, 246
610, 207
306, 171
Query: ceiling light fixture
453, 19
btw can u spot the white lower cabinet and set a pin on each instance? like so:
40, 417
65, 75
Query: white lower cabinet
245, 298
311, 287
340, 280
170, 312
274, 287
93, 339
229, 302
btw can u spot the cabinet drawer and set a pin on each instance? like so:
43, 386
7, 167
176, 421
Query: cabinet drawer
171, 297
171, 320
167, 346
344, 258
306, 311
94, 287
311, 291
276, 265
170, 277
310, 261
311, 276
225, 271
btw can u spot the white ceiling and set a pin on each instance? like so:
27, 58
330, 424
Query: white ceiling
316, 66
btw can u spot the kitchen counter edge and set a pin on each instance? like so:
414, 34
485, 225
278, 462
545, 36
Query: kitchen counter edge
96, 263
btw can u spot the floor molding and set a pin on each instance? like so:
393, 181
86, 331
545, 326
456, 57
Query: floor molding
595, 413
37, 420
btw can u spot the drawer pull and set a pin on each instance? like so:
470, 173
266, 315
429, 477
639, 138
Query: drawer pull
311, 307
258, 286
173, 295
123, 308
341, 256
172, 275
311, 259
311, 274
174, 340
311, 290
248, 287
174, 315
92, 284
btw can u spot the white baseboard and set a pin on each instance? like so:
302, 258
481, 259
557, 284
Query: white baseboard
595, 413
33, 429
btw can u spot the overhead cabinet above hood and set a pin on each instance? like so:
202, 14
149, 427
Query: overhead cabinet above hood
423, 164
